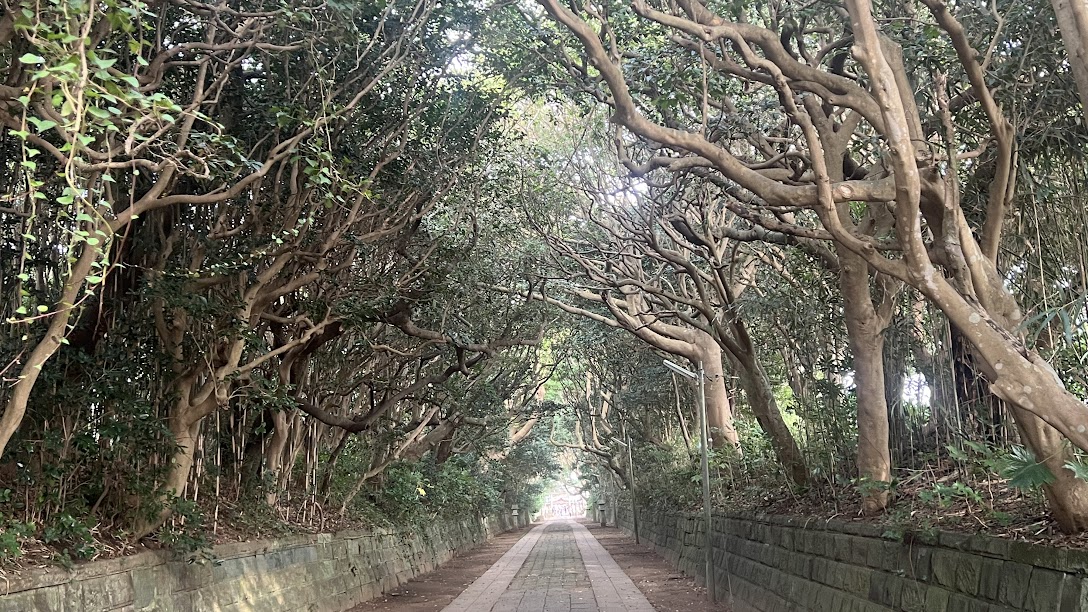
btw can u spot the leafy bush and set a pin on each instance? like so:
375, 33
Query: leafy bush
72, 537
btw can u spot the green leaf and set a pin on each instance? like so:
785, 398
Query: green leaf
956, 453
1023, 471
1078, 467
30, 58
42, 124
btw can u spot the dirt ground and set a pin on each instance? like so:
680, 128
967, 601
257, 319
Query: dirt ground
667, 589
437, 589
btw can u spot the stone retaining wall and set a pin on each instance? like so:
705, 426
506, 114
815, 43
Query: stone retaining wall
318, 573
774, 563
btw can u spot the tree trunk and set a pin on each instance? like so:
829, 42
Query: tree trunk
1044, 410
273, 456
719, 410
444, 451
1073, 23
184, 426
865, 333
289, 459
185, 433
330, 465
1067, 496
19, 397
757, 388
874, 458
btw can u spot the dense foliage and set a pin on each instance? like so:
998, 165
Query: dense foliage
269, 267
238, 269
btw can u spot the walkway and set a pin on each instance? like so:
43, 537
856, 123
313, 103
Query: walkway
557, 567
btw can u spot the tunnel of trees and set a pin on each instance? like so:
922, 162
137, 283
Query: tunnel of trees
269, 266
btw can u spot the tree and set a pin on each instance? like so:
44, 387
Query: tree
916, 175
290, 267
128, 120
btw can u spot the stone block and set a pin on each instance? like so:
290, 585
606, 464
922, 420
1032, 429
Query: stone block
179, 602
936, 599
950, 539
841, 549
1073, 593
1034, 554
814, 543
990, 579
820, 572
886, 589
1076, 561
913, 596
799, 564
1015, 578
47, 598
72, 596
191, 576
989, 546
968, 573
825, 599
1044, 590
107, 592
964, 603
945, 564
785, 539
853, 580
874, 554
919, 562
858, 550
891, 554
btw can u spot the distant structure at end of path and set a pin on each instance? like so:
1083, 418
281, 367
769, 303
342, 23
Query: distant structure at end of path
559, 505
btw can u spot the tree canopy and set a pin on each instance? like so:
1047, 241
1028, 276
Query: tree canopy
361, 261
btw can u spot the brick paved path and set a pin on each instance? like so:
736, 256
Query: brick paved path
557, 567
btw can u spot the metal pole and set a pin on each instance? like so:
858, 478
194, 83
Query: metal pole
631, 471
704, 433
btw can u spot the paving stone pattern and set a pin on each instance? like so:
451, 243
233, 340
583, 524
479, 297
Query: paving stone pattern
557, 567
785, 564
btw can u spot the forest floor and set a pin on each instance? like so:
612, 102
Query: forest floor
923, 504
219, 521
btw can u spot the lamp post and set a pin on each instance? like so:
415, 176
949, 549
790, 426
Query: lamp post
600, 512
704, 435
